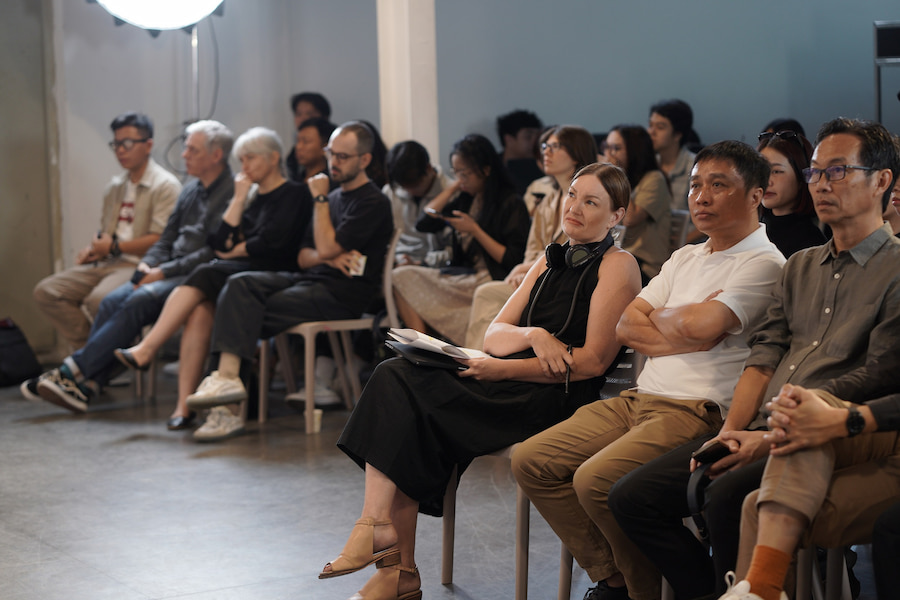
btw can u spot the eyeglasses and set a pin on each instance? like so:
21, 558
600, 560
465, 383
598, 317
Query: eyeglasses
552, 147
462, 173
832, 173
127, 143
339, 156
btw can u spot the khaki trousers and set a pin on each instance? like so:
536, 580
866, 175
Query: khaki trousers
568, 470
841, 488
489, 298
62, 295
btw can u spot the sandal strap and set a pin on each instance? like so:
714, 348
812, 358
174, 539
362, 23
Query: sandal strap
410, 570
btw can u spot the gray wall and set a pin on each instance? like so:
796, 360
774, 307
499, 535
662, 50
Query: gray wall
739, 63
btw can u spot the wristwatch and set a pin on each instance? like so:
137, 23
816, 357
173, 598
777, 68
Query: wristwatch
321, 199
855, 422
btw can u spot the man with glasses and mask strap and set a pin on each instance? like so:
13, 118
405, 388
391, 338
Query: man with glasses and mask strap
831, 325
341, 260
136, 207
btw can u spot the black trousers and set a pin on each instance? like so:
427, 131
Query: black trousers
650, 502
886, 553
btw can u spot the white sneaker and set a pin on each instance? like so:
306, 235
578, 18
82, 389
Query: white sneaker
741, 590
215, 390
219, 425
324, 397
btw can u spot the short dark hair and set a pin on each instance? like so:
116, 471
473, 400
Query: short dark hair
139, 121
877, 149
785, 124
679, 114
324, 127
316, 99
407, 163
798, 151
511, 123
752, 166
639, 149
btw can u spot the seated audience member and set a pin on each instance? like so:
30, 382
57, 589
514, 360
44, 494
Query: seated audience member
490, 228
309, 149
131, 306
306, 106
566, 149
832, 318
692, 323
784, 124
892, 211
136, 206
819, 484
670, 128
518, 132
648, 222
553, 340
261, 230
787, 208
414, 182
341, 262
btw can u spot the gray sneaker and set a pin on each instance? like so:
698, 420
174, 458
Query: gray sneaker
56, 388
219, 425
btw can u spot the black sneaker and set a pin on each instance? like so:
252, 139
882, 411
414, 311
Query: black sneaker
29, 389
602, 591
58, 389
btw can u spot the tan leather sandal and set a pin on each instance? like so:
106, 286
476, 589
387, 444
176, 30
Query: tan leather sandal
387, 587
359, 551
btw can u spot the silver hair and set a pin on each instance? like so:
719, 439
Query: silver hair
216, 134
259, 140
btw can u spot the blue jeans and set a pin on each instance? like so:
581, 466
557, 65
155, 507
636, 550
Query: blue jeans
120, 318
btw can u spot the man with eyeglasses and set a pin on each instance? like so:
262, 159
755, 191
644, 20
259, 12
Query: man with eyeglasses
831, 325
136, 303
136, 206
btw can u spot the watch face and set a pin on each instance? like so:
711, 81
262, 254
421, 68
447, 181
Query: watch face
855, 423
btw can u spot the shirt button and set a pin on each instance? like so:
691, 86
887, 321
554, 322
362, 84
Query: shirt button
827, 311
792, 367
837, 275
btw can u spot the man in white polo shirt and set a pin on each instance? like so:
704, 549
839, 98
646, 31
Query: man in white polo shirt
691, 322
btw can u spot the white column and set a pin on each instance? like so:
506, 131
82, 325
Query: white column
407, 67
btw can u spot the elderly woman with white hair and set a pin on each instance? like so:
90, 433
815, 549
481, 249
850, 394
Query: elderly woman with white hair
261, 230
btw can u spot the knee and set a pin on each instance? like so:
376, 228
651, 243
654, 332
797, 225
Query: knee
589, 487
525, 464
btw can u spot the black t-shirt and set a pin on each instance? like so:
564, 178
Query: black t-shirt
363, 222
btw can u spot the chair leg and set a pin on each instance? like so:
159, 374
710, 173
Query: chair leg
152, 373
339, 364
265, 357
351, 371
449, 529
309, 377
565, 574
523, 509
805, 561
837, 581
284, 359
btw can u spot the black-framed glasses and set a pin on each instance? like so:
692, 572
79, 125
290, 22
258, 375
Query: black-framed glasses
127, 143
339, 156
832, 173
552, 147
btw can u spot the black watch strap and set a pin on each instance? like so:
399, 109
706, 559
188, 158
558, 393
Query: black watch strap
321, 199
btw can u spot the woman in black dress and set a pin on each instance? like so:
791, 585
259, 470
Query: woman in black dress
556, 335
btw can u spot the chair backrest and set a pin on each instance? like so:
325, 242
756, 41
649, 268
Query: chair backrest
624, 375
681, 224
387, 280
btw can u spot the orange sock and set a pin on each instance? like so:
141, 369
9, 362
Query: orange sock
768, 568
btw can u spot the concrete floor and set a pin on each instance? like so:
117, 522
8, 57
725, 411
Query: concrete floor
111, 505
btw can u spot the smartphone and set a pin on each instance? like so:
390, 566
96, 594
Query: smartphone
434, 213
710, 452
